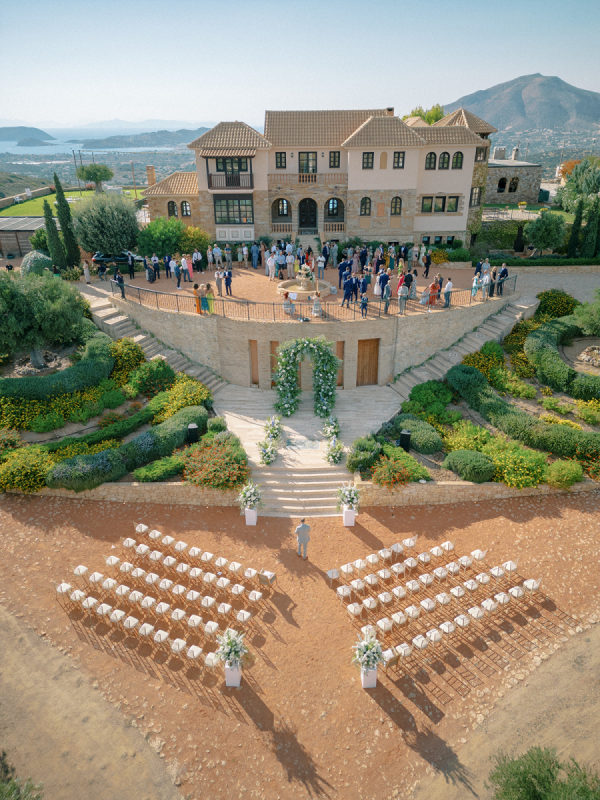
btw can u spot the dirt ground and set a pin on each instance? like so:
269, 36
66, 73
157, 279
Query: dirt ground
300, 726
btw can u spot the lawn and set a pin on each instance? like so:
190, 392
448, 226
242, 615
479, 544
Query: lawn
35, 207
568, 218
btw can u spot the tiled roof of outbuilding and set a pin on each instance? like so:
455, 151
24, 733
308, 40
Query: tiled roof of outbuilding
383, 132
179, 183
316, 128
466, 119
457, 135
230, 136
415, 122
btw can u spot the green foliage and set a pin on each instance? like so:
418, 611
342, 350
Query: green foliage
325, 368
519, 243
94, 173
424, 438
498, 234
515, 465
87, 471
161, 236
39, 241
507, 382
459, 254
585, 387
127, 356
390, 472
363, 455
9, 439
192, 239
573, 245
465, 435
555, 303
35, 263
430, 392
470, 465
216, 424
591, 232
55, 245
47, 422
152, 377
11, 788
587, 316
430, 115
546, 232
582, 185
185, 391
563, 474
25, 469
63, 212
219, 463
106, 223
552, 404
160, 470
416, 471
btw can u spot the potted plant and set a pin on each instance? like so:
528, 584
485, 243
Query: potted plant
348, 500
368, 655
249, 500
231, 651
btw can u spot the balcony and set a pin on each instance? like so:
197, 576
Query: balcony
314, 178
233, 180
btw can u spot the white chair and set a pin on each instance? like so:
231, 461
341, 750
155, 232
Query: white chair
370, 603
130, 623
193, 652
398, 618
424, 558
465, 561
117, 616
516, 592
410, 563
155, 535
152, 578
368, 631
267, 578
165, 585
412, 612
209, 578
483, 578
420, 642
384, 574
462, 621
180, 547
207, 556
426, 579
138, 574
385, 554
347, 570
447, 546
354, 609
436, 551
234, 567
399, 592
397, 549
243, 616
103, 609
178, 615
489, 605
428, 605
385, 625
141, 529
237, 590
161, 609
409, 542
332, 574
398, 569
224, 609
251, 574
457, 592
108, 584
223, 583
155, 556
441, 573
194, 621
169, 562
531, 585
195, 574
476, 612
179, 645
142, 550
502, 598
126, 567
129, 543
360, 565
182, 569
178, 590
385, 598
471, 585
357, 585
372, 580
208, 602
148, 602
372, 560
254, 597
413, 586
443, 599
211, 660
434, 637
344, 593
136, 597
447, 628
95, 578
510, 567
390, 658
478, 555
63, 588
112, 561
453, 568
194, 552
167, 541
221, 563
211, 628
146, 630
160, 637
404, 651
497, 572
122, 590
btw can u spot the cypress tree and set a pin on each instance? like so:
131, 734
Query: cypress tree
519, 243
63, 211
590, 233
573, 245
55, 246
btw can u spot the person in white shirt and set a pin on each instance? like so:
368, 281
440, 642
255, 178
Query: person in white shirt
219, 281
217, 255
485, 285
155, 266
447, 293
289, 260
321, 266
245, 254
172, 265
271, 266
184, 269
196, 258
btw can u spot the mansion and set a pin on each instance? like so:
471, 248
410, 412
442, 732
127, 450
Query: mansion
333, 174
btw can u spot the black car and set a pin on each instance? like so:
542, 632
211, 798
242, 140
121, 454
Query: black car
121, 258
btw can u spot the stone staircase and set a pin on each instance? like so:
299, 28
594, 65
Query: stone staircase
118, 325
494, 328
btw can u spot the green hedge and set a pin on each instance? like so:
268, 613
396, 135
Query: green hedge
423, 437
363, 455
543, 262
88, 471
160, 470
470, 465
415, 469
95, 365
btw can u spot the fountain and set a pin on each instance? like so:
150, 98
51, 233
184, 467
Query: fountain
304, 285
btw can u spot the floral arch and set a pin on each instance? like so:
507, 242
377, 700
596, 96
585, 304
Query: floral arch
325, 368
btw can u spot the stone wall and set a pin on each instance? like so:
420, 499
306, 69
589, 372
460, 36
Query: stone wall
179, 494
6, 202
529, 177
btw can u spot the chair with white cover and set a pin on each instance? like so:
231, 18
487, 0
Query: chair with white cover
211, 660
193, 651
385, 554
476, 612
251, 575
453, 568
404, 651
182, 570
243, 616
180, 547
123, 591
138, 575
399, 592
179, 590
147, 602
255, 597
426, 579
222, 584
141, 529
398, 618
237, 590
370, 603
355, 609
117, 615
497, 572
420, 642
170, 563
332, 575
154, 535
424, 558
126, 567
211, 628
207, 602
168, 542
141, 551
178, 646
397, 549
465, 562
372, 560
479, 555
412, 613
447, 628
112, 561
130, 623
360, 565
410, 563
399, 568
443, 598
531, 585
194, 622
129, 543
510, 567
209, 578
502, 598
434, 636
62, 592
135, 597
384, 574
436, 551
358, 585
409, 542
413, 586
346, 570
108, 586
440, 573
161, 639
103, 609
224, 609
462, 621
368, 631
145, 630
372, 580
447, 546
385, 625
156, 556
516, 592
385, 598
207, 556
471, 585
161, 609
234, 567
177, 616
194, 553
489, 606
165, 585
428, 605
152, 578
457, 592
483, 578
95, 579
390, 658
195, 575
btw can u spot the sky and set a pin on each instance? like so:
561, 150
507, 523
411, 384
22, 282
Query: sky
69, 62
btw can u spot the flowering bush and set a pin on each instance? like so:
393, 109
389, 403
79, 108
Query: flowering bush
348, 495
231, 648
439, 256
335, 450
250, 496
390, 472
589, 411
273, 428
152, 377
554, 420
516, 466
325, 370
268, 451
128, 355
185, 392
563, 474
214, 463
26, 469
9, 439
555, 303
367, 653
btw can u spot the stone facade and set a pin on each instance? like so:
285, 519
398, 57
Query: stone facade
506, 173
179, 494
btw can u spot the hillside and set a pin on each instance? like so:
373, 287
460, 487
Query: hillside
14, 184
534, 102
152, 139
18, 132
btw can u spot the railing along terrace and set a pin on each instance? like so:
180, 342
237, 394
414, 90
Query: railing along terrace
320, 178
304, 311
234, 180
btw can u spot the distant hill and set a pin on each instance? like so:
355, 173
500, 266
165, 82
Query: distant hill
31, 141
152, 139
15, 184
19, 132
534, 102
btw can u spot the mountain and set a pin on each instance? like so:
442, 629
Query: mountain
14, 184
18, 132
534, 102
154, 139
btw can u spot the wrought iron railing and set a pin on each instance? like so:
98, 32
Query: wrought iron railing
234, 180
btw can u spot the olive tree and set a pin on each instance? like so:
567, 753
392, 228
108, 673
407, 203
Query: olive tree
95, 173
547, 231
106, 223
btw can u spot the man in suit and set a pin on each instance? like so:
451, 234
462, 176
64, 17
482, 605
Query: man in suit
348, 290
302, 537
325, 253
131, 265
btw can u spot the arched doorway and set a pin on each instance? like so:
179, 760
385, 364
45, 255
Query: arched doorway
307, 216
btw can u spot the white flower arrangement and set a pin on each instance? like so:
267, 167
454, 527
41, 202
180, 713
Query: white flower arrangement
268, 451
331, 428
250, 496
349, 495
325, 370
273, 428
367, 653
335, 450
231, 648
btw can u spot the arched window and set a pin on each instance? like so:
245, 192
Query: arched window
280, 210
444, 162
396, 207
332, 207
186, 209
430, 160
283, 208
365, 207
501, 185
513, 185
172, 208
457, 160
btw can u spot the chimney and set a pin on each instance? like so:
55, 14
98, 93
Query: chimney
390, 111
515, 154
151, 175
499, 153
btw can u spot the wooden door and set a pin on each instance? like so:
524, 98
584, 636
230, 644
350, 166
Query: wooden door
253, 347
273, 360
339, 351
367, 368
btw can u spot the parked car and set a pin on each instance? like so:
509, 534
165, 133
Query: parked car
120, 258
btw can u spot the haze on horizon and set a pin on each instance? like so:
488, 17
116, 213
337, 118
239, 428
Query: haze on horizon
73, 64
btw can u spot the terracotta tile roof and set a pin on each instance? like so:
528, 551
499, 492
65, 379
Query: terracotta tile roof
230, 136
179, 183
451, 136
383, 132
316, 128
415, 122
463, 118
216, 152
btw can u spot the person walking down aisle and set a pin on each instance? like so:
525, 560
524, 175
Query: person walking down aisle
302, 537
254, 253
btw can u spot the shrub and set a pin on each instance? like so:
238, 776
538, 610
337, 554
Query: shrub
493, 350
81, 448
216, 424
9, 439
465, 435
484, 363
185, 392
152, 377
217, 464
112, 399
459, 254
163, 438
552, 404
558, 421
390, 472
589, 411
470, 465
47, 422
562, 474
416, 470
430, 392
161, 469
587, 316
363, 455
585, 387
35, 263
439, 256
128, 356
25, 469
87, 471
555, 303
515, 465
507, 382
424, 438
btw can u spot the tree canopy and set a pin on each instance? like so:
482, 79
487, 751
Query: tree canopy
106, 223
582, 184
95, 173
161, 236
63, 212
587, 316
547, 231
430, 115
